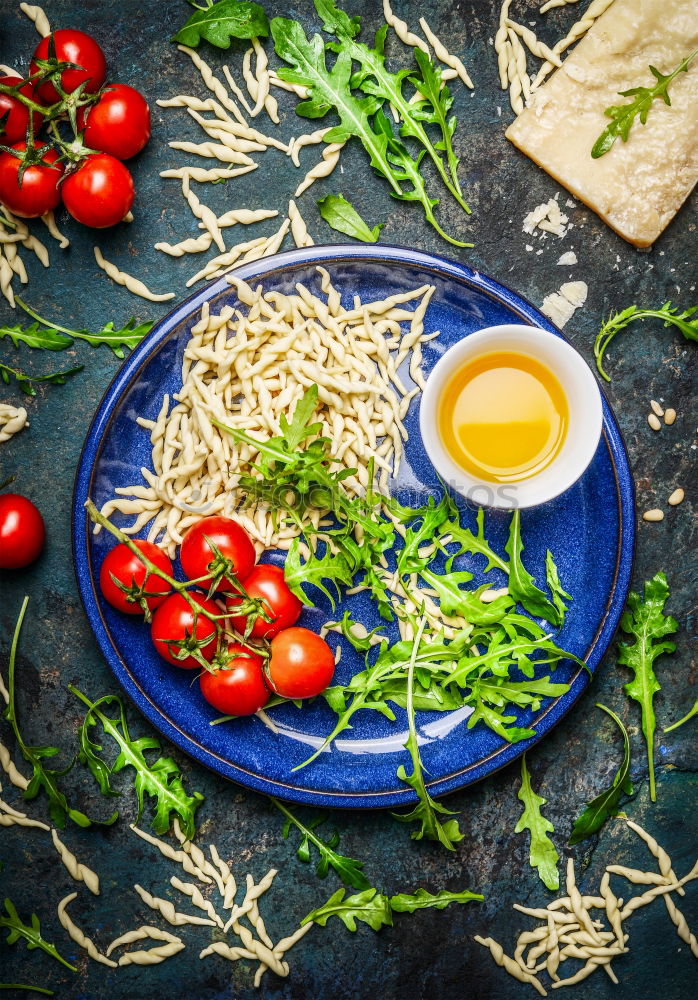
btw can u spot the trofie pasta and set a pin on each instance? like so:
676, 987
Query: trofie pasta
12, 418
401, 30
78, 936
146, 931
299, 230
167, 910
570, 932
330, 159
128, 281
49, 220
152, 956
81, 873
442, 53
37, 15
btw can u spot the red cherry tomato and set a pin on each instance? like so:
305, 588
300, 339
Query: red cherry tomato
74, 47
233, 542
119, 123
280, 604
38, 192
301, 664
123, 564
100, 192
14, 127
22, 531
173, 621
237, 688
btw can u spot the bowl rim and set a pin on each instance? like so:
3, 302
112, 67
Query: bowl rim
129, 371
529, 492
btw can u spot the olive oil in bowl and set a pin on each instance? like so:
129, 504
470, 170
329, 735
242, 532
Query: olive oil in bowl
503, 417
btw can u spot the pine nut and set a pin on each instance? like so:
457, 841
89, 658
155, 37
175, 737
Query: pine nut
653, 515
656, 408
676, 497
653, 421
669, 416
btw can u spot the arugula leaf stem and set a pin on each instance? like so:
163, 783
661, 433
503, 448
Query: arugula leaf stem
349, 870
32, 935
684, 322
689, 715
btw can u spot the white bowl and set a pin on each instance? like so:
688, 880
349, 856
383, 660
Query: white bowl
584, 425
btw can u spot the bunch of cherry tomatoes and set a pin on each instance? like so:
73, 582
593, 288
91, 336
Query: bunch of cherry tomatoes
109, 123
247, 645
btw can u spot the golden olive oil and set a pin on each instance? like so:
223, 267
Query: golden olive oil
503, 417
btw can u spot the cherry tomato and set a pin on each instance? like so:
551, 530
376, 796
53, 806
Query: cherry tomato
233, 542
174, 621
22, 531
280, 604
301, 664
100, 192
14, 127
123, 564
38, 192
119, 123
237, 688
74, 47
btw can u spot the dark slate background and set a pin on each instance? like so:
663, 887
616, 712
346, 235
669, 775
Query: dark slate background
431, 954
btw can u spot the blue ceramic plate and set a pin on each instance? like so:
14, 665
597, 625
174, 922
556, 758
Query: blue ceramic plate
590, 531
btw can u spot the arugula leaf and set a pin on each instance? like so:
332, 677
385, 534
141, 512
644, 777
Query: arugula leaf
427, 810
375, 79
623, 115
408, 902
644, 619
48, 338
606, 804
349, 870
686, 322
343, 217
316, 571
542, 853
409, 171
521, 584
162, 780
370, 907
222, 21
26, 382
559, 595
44, 338
689, 715
43, 778
476, 544
31, 933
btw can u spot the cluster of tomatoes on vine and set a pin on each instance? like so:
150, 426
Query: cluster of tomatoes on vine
246, 643
107, 122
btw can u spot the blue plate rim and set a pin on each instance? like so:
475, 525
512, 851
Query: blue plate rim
550, 716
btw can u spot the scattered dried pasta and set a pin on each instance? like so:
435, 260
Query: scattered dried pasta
442, 53
81, 873
12, 418
213, 84
330, 159
167, 910
128, 281
594, 11
204, 176
146, 931
78, 936
401, 30
299, 230
37, 15
152, 956
49, 220
169, 852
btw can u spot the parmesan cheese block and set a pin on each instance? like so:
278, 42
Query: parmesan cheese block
639, 185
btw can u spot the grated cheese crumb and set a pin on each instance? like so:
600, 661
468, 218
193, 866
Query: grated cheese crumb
560, 306
568, 259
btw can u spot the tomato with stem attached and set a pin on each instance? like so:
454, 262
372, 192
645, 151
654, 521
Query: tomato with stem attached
22, 531
177, 638
279, 603
37, 192
301, 664
236, 686
119, 123
235, 556
125, 581
75, 47
14, 126
100, 192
